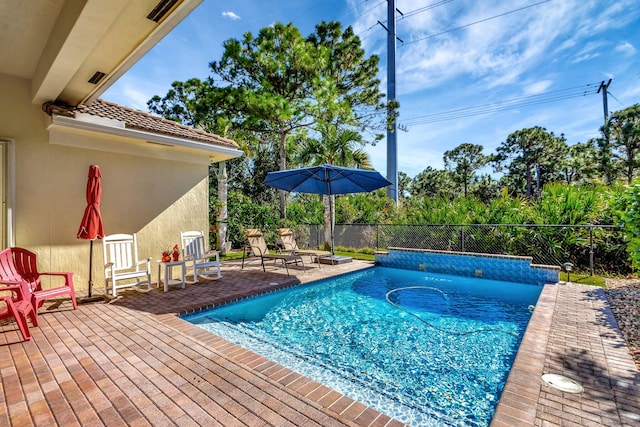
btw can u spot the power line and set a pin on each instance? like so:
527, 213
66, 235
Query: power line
424, 8
404, 15
525, 101
474, 23
371, 9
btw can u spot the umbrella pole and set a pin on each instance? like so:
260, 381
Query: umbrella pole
90, 298
331, 208
90, 266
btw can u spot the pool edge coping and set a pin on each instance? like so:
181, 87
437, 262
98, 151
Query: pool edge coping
519, 398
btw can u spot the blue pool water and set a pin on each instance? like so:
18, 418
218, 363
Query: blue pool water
427, 349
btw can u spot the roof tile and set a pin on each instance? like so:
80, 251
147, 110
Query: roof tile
136, 119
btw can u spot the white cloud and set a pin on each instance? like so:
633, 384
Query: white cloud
588, 51
230, 15
585, 57
626, 48
496, 52
537, 87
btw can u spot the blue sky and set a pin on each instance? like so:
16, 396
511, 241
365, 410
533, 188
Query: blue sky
542, 59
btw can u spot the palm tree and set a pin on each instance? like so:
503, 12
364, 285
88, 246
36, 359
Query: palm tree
336, 146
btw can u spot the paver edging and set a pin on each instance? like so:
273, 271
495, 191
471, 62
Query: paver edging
509, 408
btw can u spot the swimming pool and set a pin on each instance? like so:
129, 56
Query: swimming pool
427, 349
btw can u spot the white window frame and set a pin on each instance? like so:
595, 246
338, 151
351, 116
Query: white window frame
9, 191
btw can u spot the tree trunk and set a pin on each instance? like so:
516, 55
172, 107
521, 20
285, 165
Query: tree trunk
630, 157
283, 166
221, 223
328, 217
528, 181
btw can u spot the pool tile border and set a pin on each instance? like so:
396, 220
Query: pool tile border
517, 404
486, 266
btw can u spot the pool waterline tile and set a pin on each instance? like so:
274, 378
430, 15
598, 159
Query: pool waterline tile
468, 264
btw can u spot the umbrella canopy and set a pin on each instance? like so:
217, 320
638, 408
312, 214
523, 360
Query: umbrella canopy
326, 179
91, 224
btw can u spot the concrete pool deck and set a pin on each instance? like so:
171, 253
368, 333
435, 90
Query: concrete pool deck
134, 362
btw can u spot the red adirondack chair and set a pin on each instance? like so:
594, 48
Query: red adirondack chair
18, 305
24, 267
19, 310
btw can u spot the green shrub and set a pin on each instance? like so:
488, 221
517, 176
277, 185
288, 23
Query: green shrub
627, 213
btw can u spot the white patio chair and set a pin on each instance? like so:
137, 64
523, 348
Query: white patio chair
121, 264
198, 257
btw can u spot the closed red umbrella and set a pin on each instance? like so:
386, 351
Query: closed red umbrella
91, 225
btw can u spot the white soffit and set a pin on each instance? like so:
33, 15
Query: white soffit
114, 128
77, 32
60, 45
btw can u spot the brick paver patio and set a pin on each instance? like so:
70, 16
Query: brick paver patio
134, 362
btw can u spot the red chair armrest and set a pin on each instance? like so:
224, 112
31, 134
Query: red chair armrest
12, 288
68, 277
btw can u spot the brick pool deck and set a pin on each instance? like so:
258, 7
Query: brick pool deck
134, 362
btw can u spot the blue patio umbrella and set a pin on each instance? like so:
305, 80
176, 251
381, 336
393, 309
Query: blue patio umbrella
326, 179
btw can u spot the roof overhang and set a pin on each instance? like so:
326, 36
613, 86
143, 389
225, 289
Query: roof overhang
113, 136
73, 50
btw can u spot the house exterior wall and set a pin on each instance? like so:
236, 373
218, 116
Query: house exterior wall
154, 191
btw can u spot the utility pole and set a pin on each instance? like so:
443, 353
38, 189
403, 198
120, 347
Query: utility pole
392, 142
605, 131
604, 87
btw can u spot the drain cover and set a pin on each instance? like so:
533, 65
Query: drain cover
562, 383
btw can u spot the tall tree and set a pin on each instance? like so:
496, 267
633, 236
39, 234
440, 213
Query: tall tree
623, 128
193, 103
404, 184
463, 161
606, 163
580, 164
485, 188
527, 154
279, 83
432, 183
269, 79
265, 89
348, 92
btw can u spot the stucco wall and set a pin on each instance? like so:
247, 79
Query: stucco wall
150, 190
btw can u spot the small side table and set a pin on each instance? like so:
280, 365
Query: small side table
168, 273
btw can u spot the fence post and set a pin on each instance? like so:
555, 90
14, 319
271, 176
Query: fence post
377, 236
462, 238
591, 248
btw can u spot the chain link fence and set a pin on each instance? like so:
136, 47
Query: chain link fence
589, 248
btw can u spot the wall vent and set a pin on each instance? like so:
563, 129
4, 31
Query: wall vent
161, 9
97, 76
